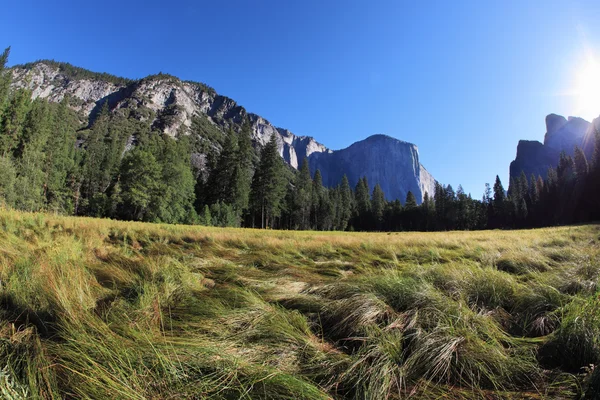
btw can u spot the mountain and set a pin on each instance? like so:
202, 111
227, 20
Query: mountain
177, 107
392, 163
562, 134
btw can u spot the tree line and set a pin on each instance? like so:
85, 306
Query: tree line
121, 167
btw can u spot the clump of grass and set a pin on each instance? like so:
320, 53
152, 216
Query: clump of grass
576, 343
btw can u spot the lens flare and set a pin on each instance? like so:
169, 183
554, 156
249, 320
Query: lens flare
587, 90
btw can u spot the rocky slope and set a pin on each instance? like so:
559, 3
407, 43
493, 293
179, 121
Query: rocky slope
172, 105
562, 134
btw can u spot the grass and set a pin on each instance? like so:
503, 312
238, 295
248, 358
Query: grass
97, 309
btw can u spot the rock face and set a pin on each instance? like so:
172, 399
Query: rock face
171, 105
392, 163
562, 134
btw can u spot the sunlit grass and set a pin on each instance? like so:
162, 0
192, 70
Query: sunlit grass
93, 308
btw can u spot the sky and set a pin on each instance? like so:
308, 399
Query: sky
463, 80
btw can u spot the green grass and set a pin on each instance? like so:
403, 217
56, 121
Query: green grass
96, 309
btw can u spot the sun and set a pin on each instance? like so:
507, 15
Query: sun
587, 89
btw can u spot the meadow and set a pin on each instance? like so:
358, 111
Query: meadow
95, 309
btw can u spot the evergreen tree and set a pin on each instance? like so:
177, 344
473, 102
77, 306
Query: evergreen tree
463, 210
62, 179
13, 120
140, 182
317, 194
303, 197
411, 201
7, 182
346, 203
268, 184
378, 204
242, 173
498, 205
220, 186
428, 213
176, 202
29, 190
581, 165
4, 81
96, 178
363, 204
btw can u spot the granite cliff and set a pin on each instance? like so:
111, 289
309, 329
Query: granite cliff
392, 163
172, 106
562, 134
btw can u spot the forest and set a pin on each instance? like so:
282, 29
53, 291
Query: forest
117, 166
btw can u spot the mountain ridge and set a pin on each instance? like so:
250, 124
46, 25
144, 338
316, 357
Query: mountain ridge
562, 134
172, 105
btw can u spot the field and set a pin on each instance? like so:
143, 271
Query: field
94, 308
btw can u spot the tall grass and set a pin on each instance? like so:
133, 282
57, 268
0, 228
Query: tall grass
99, 309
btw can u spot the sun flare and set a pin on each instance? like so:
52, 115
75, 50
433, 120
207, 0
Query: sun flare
587, 89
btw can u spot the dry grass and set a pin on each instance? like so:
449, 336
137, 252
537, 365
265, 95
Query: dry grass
94, 308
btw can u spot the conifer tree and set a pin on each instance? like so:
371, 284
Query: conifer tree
581, 164
61, 169
363, 204
13, 121
140, 181
31, 158
317, 194
220, 181
268, 185
498, 205
4, 81
8, 177
242, 174
378, 204
411, 201
303, 197
176, 202
346, 203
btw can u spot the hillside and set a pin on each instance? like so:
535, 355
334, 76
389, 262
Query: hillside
175, 107
96, 308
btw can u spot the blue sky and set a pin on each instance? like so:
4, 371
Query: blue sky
462, 80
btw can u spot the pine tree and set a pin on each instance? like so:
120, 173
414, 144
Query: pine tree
29, 189
140, 182
565, 168
4, 81
303, 197
268, 184
13, 121
346, 203
96, 179
428, 212
242, 174
220, 180
498, 205
206, 216
7, 182
176, 202
363, 204
317, 194
581, 164
61, 169
411, 201
378, 204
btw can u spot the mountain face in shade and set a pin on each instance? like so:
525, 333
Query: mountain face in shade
175, 107
392, 163
562, 134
